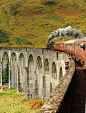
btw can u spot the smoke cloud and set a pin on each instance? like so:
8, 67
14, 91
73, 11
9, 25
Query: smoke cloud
66, 32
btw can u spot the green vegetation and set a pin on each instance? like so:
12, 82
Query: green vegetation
5, 76
34, 20
3, 36
13, 102
24, 41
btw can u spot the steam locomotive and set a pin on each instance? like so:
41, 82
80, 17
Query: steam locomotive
76, 48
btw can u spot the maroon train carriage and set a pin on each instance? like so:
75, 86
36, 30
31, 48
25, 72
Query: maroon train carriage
76, 47
69, 46
80, 49
59, 46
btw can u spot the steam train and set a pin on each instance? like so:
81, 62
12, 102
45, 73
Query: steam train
75, 48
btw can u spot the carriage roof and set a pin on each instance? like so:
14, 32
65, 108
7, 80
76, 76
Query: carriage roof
82, 39
59, 42
70, 41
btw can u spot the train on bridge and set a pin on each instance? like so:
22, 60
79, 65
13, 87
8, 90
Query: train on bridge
76, 48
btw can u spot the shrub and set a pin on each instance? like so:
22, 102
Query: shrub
25, 41
34, 104
19, 40
10, 44
3, 36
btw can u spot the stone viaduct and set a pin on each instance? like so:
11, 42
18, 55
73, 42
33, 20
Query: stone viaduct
35, 71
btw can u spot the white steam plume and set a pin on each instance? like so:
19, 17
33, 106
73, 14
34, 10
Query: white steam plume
66, 32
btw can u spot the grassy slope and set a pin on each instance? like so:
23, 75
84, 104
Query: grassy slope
13, 102
35, 21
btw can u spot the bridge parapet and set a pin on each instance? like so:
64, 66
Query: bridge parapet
54, 101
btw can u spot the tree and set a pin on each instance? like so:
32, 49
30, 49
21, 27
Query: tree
5, 77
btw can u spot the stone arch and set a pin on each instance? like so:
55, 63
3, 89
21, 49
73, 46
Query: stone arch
13, 70
46, 65
22, 71
5, 61
54, 75
39, 62
21, 60
31, 76
46, 79
60, 73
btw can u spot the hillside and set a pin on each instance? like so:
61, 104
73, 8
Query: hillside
33, 21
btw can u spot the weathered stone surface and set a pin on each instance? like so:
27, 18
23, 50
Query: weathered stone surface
37, 72
54, 100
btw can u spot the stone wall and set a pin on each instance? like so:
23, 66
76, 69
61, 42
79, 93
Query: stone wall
53, 102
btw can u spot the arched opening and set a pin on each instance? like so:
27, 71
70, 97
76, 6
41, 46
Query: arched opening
46, 65
39, 63
31, 96
22, 71
31, 76
60, 74
31, 68
5, 64
21, 60
13, 70
5, 60
54, 75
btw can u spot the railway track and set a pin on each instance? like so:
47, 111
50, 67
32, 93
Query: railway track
74, 99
